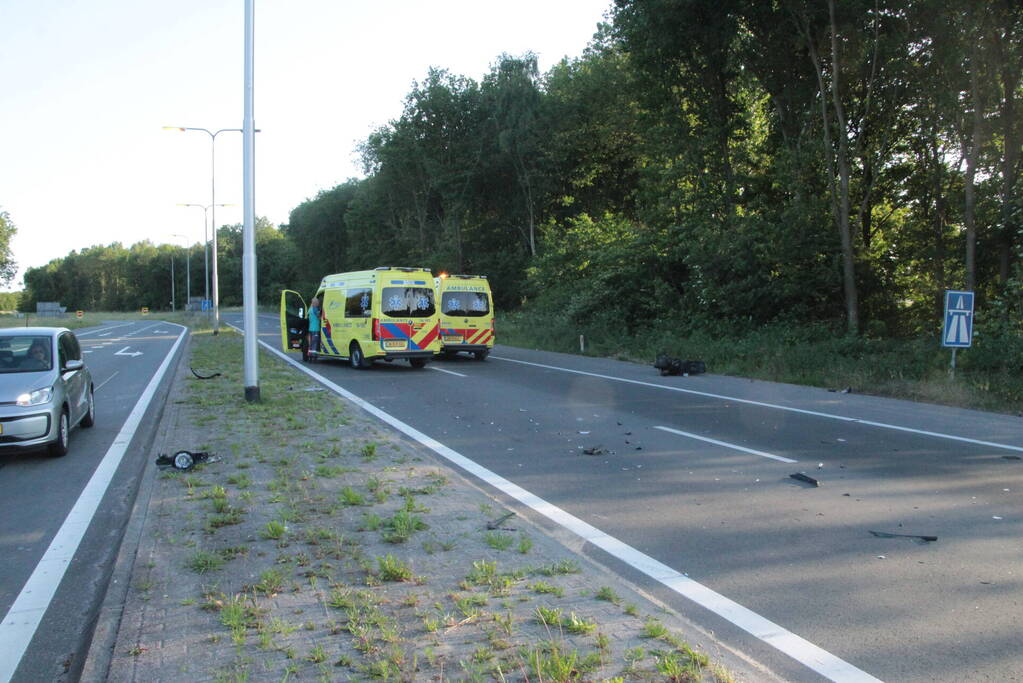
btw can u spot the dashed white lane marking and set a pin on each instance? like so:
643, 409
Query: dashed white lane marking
101, 329
800, 649
22, 619
450, 372
725, 444
107, 380
830, 416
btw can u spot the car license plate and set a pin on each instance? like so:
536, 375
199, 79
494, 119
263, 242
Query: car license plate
1, 427
394, 344
452, 340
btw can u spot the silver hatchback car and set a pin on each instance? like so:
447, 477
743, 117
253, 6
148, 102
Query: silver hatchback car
45, 388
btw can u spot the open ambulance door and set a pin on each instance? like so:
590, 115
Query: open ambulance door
293, 322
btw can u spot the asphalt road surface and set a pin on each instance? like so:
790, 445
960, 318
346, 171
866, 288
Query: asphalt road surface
44, 638
693, 474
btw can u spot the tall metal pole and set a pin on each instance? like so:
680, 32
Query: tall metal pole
249, 221
213, 209
205, 256
172, 284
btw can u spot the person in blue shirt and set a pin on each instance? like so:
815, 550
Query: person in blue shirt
314, 328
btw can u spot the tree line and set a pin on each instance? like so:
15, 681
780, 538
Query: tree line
716, 165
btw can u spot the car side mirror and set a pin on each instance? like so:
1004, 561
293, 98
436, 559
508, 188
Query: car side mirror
72, 365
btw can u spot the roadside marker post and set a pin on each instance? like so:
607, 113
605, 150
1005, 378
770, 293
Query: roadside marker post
957, 332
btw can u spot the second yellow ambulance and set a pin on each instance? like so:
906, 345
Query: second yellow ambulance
466, 314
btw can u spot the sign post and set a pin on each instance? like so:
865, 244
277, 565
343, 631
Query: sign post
957, 332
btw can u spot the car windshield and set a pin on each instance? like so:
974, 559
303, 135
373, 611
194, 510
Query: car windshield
25, 354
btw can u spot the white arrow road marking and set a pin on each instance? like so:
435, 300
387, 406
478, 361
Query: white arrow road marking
122, 352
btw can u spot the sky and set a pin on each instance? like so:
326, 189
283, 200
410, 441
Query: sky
87, 87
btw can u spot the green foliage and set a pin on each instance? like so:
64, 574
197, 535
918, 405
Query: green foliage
8, 268
684, 176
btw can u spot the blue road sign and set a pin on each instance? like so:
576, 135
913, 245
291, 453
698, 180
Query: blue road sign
958, 331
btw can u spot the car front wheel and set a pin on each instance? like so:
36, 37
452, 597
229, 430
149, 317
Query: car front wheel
59, 447
90, 415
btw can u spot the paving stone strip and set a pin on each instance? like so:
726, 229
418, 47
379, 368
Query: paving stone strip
325, 546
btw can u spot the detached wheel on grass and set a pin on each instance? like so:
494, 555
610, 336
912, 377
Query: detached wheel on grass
58, 448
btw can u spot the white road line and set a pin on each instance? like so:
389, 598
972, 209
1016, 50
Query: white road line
830, 416
803, 651
725, 444
102, 329
450, 372
107, 380
21, 621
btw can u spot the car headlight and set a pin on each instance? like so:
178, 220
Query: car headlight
37, 397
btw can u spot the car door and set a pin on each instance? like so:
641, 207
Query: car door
293, 321
73, 380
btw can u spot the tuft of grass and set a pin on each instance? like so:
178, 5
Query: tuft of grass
393, 569
545, 588
525, 544
499, 541
401, 526
202, 562
606, 593
349, 496
274, 530
558, 568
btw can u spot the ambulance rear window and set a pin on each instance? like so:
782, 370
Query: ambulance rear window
468, 304
408, 302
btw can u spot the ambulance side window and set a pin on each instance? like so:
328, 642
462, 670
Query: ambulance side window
359, 303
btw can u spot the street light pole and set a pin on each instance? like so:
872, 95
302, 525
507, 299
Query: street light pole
205, 247
173, 308
249, 298
213, 204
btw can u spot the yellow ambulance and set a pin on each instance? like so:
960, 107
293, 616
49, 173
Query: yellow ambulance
387, 313
466, 314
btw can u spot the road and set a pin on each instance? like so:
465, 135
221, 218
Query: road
41, 499
693, 474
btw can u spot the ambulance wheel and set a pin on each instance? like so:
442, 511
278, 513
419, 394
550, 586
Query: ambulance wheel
358, 360
481, 355
417, 362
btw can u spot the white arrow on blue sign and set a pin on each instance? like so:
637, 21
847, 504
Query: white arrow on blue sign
958, 331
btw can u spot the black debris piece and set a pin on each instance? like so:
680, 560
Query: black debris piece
1011, 457
215, 374
885, 534
597, 450
676, 366
184, 460
496, 524
802, 477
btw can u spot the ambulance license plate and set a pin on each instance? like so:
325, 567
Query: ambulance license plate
394, 344
452, 340
1, 428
